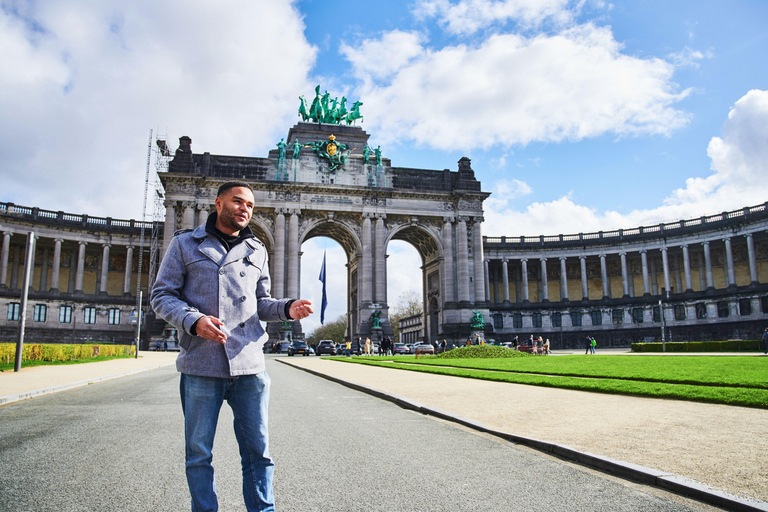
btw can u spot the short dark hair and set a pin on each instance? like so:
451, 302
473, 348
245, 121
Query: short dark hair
232, 184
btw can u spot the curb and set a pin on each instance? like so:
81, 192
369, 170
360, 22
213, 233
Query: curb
9, 399
648, 476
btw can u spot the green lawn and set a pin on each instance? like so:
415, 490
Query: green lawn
716, 379
4, 367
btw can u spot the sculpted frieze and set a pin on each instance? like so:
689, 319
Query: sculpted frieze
180, 187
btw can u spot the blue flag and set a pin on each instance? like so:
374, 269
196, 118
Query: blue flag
325, 299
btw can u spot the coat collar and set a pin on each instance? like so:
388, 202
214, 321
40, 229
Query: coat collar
214, 250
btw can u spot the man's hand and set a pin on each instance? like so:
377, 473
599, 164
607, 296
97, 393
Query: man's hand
301, 308
206, 328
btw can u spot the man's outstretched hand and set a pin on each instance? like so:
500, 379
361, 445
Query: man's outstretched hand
301, 308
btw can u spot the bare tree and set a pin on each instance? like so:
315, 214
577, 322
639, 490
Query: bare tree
409, 303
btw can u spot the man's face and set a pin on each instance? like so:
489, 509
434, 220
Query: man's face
234, 208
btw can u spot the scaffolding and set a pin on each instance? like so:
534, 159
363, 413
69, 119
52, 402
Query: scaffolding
163, 155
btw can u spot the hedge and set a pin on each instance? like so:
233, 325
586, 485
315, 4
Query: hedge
62, 352
701, 346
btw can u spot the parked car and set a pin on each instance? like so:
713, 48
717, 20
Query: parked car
298, 347
280, 347
401, 349
327, 347
423, 348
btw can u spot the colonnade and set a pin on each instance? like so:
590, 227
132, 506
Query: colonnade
49, 276
673, 262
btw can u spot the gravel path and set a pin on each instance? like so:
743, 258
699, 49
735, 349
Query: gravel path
725, 447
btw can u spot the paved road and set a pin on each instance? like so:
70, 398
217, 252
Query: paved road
117, 446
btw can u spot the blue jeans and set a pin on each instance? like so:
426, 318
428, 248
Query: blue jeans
201, 401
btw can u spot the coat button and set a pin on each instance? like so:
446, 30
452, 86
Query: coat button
221, 271
242, 299
242, 324
242, 273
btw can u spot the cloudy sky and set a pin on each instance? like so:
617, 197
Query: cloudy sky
577, 115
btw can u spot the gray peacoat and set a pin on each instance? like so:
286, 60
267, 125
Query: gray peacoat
197, 278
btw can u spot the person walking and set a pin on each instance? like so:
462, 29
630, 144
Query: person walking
213, 286
349, 348
765, 340
546, 347
589, 345
593, 344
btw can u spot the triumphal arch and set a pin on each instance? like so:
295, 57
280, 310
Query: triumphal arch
325, 180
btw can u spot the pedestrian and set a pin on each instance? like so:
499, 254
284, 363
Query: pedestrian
589, 345
515, 342
443, 346
469, 341
540, 345
765, 340
367, 346
349, 348
213, 286
593, 344
546, 347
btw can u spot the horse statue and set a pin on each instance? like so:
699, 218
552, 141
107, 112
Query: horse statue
303, 109
354, 113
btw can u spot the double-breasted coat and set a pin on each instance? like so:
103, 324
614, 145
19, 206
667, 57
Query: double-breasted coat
197, 278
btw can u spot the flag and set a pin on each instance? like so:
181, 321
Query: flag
325, 298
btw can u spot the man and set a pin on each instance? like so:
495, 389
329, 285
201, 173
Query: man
213, 285
765, 340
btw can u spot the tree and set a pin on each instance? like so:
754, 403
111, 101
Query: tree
334, 330
409, 303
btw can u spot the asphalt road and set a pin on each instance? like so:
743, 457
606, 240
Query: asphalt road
117, 446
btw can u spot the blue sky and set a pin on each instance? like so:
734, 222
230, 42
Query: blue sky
577, 115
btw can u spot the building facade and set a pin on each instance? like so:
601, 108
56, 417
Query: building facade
358, 199
702, 279
85, 276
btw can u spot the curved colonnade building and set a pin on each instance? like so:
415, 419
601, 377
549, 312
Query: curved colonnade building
83, 287
708, 275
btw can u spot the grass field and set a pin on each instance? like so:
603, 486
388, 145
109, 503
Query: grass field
4, 367
731, 380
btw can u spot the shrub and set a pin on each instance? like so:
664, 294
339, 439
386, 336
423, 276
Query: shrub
480, 352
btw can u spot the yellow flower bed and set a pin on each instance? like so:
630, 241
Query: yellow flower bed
62, 352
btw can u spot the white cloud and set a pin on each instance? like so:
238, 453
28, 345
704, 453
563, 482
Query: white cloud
83, 82
379, 58
739, 165
511, 89
469, 16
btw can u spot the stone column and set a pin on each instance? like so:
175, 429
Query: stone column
4, 258
128, 273
448, 267
366, 284
687, 269
278, 263
80, 267
292, 271
544, 283
487, 278
604, 277
646, 279
15, 268
708, 264
169, 227
563, 280
44, 272
201, 214
380, 261
624, 274
56, 264
462, 254
188, 215
584, 282
665, 264
477, 254
730, 271
505, 278
104, 269
524, 276
751, 257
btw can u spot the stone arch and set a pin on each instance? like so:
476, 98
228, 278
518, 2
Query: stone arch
263, 232
339, 232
